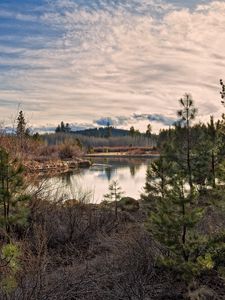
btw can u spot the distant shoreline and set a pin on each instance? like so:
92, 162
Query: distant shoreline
122, 155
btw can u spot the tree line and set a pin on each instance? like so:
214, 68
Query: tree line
83, 251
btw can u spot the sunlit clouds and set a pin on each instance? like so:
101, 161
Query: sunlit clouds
81, 61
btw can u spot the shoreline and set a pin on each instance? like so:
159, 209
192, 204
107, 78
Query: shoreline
122, 155
62, 166
56, 165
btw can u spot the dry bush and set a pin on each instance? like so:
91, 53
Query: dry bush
12, 145
47, 153
69, 151
81, 251
128, 267
61, 151
33, 263
78, 223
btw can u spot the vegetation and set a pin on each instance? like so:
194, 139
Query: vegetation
114, 195
193, 156
63, 128
89, 142
168, 245
13, 206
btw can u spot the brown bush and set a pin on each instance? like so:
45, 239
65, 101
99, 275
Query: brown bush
69, 151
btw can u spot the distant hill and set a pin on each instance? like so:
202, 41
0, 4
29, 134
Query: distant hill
103, 132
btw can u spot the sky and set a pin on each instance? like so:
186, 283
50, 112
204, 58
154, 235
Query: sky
88, 62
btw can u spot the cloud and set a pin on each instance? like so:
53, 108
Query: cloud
110, 58
17, 16
132, 119
164, 120
115, 121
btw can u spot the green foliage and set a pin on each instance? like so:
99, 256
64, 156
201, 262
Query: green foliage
206, 152
10, 254
21, 125
36, 137
21, 131
10, 265
157, 181
173, 224
114, 195
13, 202
188, 111
191, 161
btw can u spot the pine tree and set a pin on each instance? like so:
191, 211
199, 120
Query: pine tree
132, 131
21, 124
67, 128
215, 143
174, 224
201, 162
114, 195
21, 128
13, 202
58, 129
157, 181
108, 130
62, 127
222, 93
188, 113
149, 131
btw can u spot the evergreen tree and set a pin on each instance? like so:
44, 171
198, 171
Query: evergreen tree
222, 93
157, 181
21, 124
174, 224
13, 203
149, 131
36, 136
215, 143
201, 162
67, 128
58, 129
188, 113
21, 128
137, 132
114, 195
62, 127
108, 130
132, 131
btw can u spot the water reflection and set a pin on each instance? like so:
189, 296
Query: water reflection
94, 181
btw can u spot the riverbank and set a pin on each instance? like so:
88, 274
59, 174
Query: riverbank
56, 165
122, 155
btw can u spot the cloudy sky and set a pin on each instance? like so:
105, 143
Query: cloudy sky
84, 61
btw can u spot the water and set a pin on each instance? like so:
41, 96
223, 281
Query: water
94, 181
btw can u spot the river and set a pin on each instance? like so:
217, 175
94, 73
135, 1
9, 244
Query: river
92, 183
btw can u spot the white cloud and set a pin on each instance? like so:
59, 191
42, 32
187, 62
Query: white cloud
133, 57
17, 16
